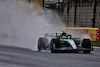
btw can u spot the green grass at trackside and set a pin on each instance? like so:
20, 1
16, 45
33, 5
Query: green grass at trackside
96, 43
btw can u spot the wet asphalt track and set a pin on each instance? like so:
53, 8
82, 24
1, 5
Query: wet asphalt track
18, 57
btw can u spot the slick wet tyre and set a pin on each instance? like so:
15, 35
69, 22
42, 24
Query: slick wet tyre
53, 48
87, 45
86, 51
42, 44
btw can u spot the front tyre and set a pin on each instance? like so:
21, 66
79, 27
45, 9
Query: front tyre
53, 48
86, 44
86, 51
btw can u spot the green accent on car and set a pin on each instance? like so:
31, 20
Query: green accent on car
64, 37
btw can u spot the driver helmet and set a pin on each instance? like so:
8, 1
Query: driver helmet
64, 34
63, 30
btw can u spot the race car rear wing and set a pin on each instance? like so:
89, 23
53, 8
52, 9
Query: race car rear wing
51, 34
58, 35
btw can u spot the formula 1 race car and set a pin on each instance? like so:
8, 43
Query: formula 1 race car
57, 43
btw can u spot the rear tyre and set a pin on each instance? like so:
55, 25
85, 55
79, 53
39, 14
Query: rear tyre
39, 46
42, 42
86, 45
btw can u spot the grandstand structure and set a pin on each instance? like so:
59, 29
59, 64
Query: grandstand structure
75, 13
82, 14
79, 13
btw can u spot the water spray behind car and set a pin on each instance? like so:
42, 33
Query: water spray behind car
21, 24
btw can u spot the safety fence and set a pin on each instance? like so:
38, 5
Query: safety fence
76, 13
82, 14
98, 35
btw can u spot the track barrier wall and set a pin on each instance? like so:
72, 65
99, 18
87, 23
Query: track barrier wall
92, 33
98, 34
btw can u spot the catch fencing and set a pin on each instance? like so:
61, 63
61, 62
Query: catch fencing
82, 13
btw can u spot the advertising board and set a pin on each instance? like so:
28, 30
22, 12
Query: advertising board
83, 32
